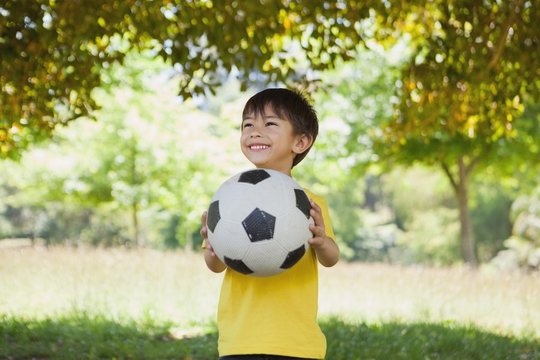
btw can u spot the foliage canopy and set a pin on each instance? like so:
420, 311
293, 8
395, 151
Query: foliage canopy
475, 63
474, 68
53, 51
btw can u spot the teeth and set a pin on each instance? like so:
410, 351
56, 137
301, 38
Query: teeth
259, 147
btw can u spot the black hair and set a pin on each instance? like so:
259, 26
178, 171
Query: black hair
288, 105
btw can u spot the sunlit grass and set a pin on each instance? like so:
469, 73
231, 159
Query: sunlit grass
177, 287
505, 303
65, 302
123, 284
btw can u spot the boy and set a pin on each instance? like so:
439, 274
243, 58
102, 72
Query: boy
276, 317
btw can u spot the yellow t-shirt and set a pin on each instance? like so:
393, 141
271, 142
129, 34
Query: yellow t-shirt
274, 315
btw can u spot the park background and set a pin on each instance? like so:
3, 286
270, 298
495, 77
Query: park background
118, 120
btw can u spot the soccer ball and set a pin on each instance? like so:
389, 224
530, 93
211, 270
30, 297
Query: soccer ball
258, 222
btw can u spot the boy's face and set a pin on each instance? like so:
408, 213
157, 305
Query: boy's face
269, 142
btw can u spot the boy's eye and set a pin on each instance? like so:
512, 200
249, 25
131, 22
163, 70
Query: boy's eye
271, 123
246, 125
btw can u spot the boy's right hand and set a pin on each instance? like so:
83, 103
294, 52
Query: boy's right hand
204, 229
212, 260
204, 234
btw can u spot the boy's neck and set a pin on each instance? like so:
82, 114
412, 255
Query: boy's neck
286, 171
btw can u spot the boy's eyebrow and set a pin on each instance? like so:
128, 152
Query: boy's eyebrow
270, 116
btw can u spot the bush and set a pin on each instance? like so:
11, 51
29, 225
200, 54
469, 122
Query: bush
523, 247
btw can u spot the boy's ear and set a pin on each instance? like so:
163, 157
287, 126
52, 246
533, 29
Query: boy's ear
302, 143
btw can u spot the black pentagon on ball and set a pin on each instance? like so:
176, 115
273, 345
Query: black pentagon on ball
302, 202
213, 216
253, 176
237, 265
259, 225
293, 257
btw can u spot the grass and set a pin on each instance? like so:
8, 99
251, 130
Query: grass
79, 336
143, 304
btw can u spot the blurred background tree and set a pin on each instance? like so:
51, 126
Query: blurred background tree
463, 92
452, 86
138, 176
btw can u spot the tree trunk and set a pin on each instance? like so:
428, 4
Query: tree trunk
135, 204
135, 222
460, 185
466, 232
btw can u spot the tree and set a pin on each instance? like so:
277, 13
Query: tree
144, 166
464, 91
53, 51
467, 88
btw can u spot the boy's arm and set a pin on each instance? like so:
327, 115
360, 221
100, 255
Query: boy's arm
325, 247
210, 257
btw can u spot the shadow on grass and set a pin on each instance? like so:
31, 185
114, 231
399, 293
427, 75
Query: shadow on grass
85, 337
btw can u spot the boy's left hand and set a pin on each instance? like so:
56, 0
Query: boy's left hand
326, 249
318, 229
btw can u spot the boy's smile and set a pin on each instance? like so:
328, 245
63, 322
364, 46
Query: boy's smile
257, 147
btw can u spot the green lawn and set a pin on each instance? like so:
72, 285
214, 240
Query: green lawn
144, 304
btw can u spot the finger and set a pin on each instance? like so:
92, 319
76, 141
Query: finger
203, 218
314, 205
317, 217
204, 229
210, 248
315, 241
317, 231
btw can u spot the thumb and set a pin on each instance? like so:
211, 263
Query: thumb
203, 218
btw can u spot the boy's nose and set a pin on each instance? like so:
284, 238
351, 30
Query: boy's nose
255, 133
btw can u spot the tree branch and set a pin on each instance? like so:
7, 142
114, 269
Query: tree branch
502, 41
451, 177
471, 165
